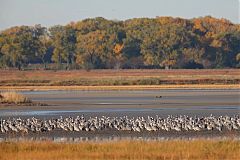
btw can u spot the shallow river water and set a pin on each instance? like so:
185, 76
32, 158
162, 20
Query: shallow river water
125, 103
131, 103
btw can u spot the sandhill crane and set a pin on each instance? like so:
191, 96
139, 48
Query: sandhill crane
139, 124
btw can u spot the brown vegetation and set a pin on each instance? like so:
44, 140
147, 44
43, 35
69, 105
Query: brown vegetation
82, 78
13, 98
126, 87
108, 73
174, 149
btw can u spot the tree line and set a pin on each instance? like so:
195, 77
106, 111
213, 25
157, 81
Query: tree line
161, 42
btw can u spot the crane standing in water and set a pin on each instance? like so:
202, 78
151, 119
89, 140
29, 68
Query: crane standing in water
139, 124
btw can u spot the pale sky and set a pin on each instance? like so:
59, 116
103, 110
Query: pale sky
53, 12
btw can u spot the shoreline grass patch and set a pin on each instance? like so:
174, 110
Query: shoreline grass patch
13, 97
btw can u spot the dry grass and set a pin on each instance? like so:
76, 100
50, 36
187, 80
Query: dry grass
13, 97
175, 149
168, 74
119, 79
126, 87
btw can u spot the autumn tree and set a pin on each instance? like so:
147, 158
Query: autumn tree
93, 24
161, 42
118, 54
136, 30
90, 48
95, 46
215, 38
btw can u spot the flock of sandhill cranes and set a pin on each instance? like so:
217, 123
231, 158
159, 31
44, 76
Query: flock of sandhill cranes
139, 124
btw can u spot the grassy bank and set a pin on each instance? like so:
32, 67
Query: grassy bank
119, 79
126, 87
174, 149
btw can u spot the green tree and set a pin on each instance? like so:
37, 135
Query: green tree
238, 60
64, 43
19, 45
56, 34
226, 47
163, 48
44, 47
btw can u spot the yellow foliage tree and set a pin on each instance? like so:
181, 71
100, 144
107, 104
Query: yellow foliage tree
118, 48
